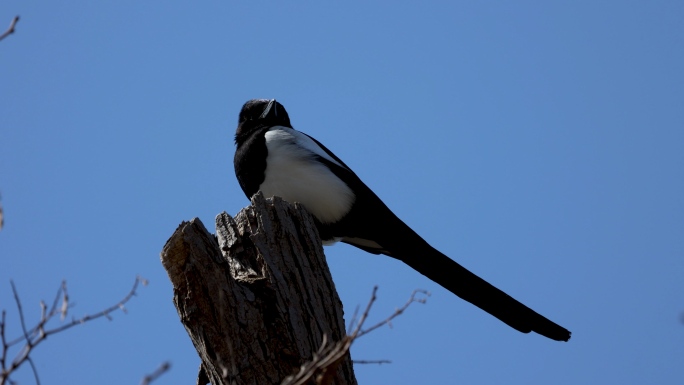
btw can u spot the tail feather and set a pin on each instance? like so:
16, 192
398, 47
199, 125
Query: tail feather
460, 281
389, 235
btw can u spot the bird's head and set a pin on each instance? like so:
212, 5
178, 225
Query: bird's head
260, 113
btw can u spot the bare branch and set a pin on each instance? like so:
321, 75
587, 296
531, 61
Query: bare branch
9, 31
38, 329
322, 366
103, 313
388, 320
31, 338
163, 368
320, 369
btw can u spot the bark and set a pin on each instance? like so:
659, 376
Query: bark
257, 298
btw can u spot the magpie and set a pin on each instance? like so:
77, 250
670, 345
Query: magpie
274, 158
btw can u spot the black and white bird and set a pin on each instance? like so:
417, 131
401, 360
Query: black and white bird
274, 158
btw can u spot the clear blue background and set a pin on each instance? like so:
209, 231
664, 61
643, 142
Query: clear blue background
540, 144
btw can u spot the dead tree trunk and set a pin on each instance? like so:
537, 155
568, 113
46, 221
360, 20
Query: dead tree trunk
258, 298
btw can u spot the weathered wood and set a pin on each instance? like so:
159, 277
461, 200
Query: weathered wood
257, 299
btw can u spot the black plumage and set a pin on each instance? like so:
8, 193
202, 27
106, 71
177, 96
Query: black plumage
273, 157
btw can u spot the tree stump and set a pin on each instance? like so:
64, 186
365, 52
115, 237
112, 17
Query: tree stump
257, 298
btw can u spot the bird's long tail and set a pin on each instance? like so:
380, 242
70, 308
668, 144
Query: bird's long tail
418, 254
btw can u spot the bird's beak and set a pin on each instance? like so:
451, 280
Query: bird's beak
271, 110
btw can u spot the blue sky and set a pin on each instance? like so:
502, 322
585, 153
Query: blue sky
540, 144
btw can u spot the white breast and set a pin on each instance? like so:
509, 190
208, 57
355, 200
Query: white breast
293, 174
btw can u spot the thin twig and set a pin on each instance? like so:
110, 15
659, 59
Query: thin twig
103, 313
353, 318
325, 361
3, 357
38, 333
356, 331
65, 302
21, 313
2, 218
57, 297
163, 368
10, 30
379, 362
396, 313
39, 327
33, 367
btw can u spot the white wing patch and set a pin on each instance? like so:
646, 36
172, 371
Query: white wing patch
287, 133
294, 175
